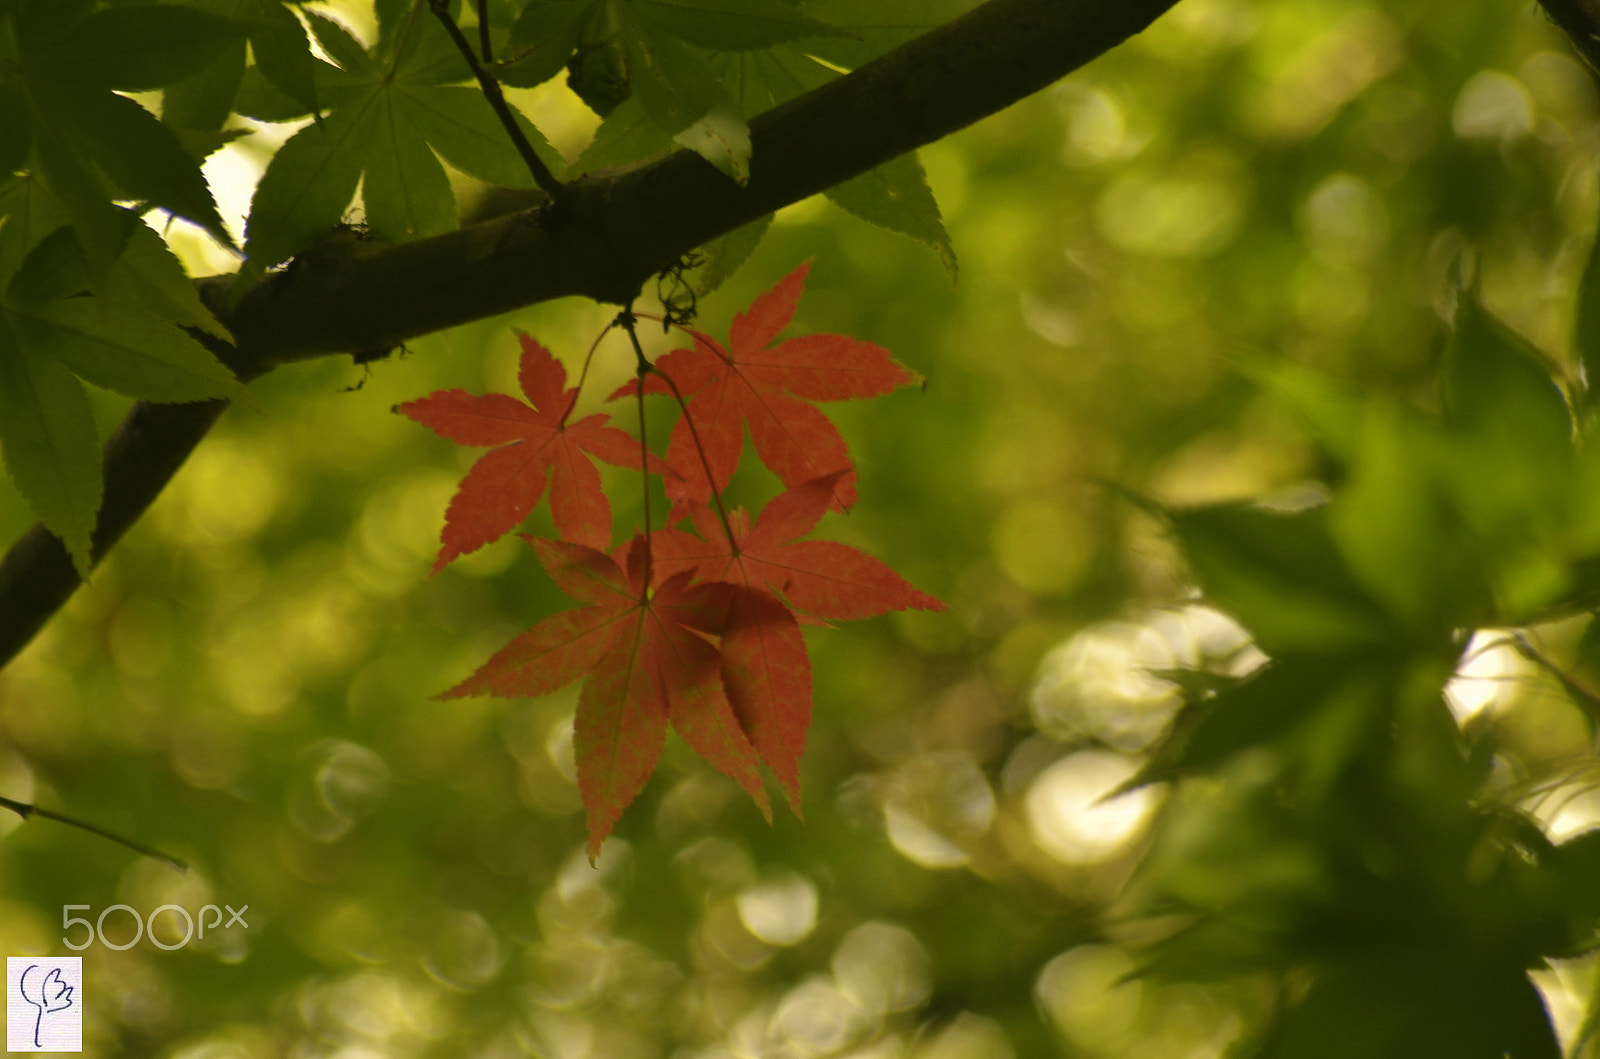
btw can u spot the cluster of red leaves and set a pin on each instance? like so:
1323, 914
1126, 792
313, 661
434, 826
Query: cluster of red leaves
696, 630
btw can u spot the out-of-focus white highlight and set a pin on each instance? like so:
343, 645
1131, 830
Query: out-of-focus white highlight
935, 804
1567, 810
1493, 106
882, 968
1487, 669
781, 910
1101, 683
1068, 817
1084, 993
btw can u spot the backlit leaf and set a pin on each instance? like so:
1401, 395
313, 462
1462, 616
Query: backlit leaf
1281, 576
126, 350
405, 190
283, 53
769, 387
48, 438
724, 255
141, 156
308, 184
141, 47
896, 196
204, 99
722, 138
675, 86
463, 128
736, 25
542, 39
538, 447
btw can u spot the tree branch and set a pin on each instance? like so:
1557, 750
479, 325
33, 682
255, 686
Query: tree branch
1580, 20
615, 231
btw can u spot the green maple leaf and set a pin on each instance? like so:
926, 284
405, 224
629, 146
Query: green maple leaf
394, 116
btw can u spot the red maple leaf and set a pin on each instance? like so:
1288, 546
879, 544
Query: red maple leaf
650, 661
765, 668
769, 388
830, 580
767, 675
537, 446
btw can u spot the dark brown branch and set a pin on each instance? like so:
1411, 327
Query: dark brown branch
36, 576
611, 235
622, 228
1580, 20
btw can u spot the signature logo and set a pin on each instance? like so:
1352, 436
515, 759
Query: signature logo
53, 995
44, 1004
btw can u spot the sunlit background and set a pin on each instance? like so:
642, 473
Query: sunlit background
247, 682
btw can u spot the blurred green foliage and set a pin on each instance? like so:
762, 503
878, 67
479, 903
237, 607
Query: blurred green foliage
1213, 266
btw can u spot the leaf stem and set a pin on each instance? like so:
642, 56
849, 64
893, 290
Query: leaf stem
584, 374
625, 320
24, 810
716, 495
491, 90
700, 450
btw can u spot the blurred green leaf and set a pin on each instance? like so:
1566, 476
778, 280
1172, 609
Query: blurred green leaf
1498, 387
1249, 714
1400, 1003
1396, 534
1282, 576
1586, 323
15, 135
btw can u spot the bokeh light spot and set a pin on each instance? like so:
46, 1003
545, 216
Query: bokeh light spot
781, 910
1069, 820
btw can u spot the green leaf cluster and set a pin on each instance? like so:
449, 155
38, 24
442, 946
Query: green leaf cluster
1333, 816
90, 293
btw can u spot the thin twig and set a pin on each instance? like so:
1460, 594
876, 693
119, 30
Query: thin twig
583, 375
1581, 695
24, 810
484, 46
491, 90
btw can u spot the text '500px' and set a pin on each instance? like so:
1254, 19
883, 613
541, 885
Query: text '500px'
95, 930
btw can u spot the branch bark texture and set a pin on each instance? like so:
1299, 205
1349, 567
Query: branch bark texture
604, 240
